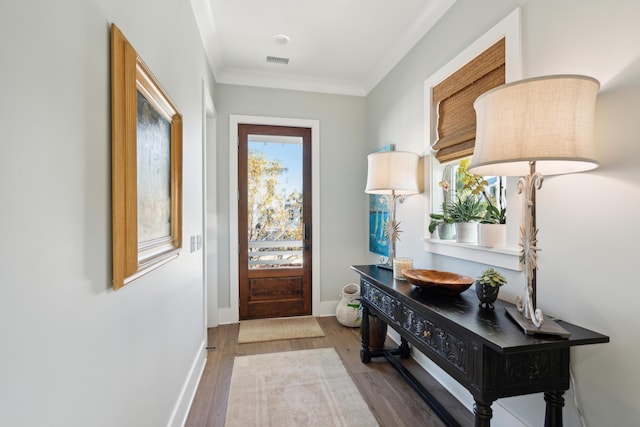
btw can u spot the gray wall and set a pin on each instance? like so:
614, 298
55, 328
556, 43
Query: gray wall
588, 230
342, 174
74, 352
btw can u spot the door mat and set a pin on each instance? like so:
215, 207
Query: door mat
295, 388
259, 330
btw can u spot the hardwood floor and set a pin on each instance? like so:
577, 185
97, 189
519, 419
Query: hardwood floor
392, 401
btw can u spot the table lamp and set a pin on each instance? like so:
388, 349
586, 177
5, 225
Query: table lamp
393, 175
531, 128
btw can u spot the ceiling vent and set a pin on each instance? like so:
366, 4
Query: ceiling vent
277, 60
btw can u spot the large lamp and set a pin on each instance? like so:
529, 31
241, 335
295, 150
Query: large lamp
531, 128
393, 175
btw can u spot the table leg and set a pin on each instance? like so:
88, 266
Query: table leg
404, 349
365, 354
553, 414
483, 413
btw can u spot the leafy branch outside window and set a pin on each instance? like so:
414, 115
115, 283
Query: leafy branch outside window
271, 216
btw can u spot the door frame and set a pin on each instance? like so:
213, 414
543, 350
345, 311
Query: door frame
233, 313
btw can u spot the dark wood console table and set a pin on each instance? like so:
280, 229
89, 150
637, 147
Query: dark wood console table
484, 350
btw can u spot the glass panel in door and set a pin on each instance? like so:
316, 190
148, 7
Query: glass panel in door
274, 205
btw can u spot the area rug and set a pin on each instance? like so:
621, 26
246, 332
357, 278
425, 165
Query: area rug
295, 388
260, 330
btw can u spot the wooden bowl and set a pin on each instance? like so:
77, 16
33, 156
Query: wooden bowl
442, 282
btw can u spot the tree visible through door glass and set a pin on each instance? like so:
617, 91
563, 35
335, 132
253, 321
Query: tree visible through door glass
275, 226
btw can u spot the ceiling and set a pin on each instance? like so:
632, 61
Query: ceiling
334, 46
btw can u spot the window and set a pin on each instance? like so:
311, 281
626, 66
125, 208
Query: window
456, 183
450, 131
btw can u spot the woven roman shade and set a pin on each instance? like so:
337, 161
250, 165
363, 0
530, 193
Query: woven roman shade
453, 98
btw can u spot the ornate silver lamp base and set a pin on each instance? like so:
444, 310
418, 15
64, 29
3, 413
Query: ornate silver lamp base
527, 315
392, 229
385, 265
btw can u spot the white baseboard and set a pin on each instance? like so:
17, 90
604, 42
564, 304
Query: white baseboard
185, 399
325, 308
227, 316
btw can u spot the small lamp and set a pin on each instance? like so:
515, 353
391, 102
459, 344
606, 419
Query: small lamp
530, 128
393, 175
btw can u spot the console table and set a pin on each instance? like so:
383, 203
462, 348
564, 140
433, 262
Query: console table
483, 349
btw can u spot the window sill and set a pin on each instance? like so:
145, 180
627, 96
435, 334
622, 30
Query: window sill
508, 257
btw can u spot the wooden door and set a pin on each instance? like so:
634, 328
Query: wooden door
274, 221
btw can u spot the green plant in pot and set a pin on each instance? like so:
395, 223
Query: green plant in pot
465, 213
468, 209
477, 186
443, 222
492, 231
488, 285
494, 215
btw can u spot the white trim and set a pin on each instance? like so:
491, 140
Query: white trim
206, 99
208, 34
233, 315
415, 31
226, 316
325, 308
290, 82
182, 407
209, 239
508, 257
509, 28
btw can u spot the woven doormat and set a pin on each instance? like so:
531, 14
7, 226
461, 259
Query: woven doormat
260, 330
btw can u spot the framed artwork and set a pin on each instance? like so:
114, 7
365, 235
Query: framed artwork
378, 215
146, 171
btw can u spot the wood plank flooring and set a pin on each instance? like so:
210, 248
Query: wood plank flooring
392, 401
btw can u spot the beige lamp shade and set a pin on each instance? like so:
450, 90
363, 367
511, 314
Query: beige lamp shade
548, 120
392, 170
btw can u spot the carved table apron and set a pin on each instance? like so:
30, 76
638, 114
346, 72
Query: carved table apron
483, 349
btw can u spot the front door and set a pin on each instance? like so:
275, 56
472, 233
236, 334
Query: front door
274, 221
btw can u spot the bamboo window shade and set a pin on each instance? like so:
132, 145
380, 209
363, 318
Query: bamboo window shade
453, 99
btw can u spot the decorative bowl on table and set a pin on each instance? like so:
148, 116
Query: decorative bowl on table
442, 282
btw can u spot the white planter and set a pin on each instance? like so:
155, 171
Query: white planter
492, 235
467, 232
446, 231
347, 310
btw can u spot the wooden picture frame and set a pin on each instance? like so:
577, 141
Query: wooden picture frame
146, 172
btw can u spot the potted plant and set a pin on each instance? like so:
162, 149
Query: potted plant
492, 231
443, 223
348, 310
493, 215
465, 213
488, 285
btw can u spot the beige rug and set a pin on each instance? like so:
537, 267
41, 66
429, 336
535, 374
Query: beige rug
295, 388
260, 330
